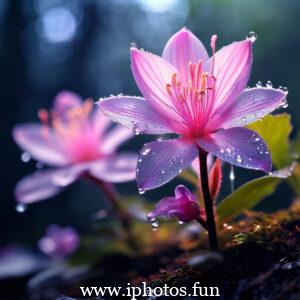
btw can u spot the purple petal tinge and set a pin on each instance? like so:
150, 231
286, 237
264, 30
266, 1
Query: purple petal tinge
40, 143
183, 206
59, 242
239, 146
119, 168
134, 113
181, 49
161, 161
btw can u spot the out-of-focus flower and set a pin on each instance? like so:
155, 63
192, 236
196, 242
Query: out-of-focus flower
59, 242
182, 206
75, 140
202, 99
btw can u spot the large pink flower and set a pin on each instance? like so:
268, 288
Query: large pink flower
203, 100
74, 140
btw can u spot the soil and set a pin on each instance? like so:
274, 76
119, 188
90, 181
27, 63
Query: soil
260, 259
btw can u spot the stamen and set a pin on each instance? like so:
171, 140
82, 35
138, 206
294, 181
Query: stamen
213, 47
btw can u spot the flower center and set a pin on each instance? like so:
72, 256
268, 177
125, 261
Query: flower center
73, 131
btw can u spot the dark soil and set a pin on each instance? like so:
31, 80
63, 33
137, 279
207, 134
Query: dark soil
260, 259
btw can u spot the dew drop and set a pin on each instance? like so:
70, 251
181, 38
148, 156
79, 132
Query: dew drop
284, 103
141, 191
146, 151
133, 46
180, 171
25, 157
180, 222
269, 84
39, 165
243, 119
232, 177
136, 131
257, 139
21, 207
259, 84
163, 171
140, 160
239, 159
159, 139
251, 36
153, 223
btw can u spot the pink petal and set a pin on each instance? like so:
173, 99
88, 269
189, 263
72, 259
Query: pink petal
45, 184
100, 122
134, 113
119, 168
161, 161
181, 49
251, 105
114, 138
239, 146
41, 143
64, 101
232, 68
37, 186
151, 74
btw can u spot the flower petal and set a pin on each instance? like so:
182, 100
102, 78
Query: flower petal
37, 186
64, 101
41, 145
182, 191
134, 113
151, 74
181, 49
251, 105
183, 208
119, 168
239, 146
114, 138
161, 161
232, 66
41, 185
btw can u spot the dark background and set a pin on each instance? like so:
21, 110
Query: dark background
83, 45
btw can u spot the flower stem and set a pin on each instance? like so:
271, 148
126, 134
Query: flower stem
210, 217
123, 216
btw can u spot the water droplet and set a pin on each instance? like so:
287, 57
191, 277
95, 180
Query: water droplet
251, 36
269, 84
140, 160
39, 165
25, 157
180, 222
141, 191
285, 89
243, 119
239, 159
136, 131
21, 207
283, 103
63, 179
222, 150
232, 177
153, 223
133, 45
180, 171
145, 151
159, 139
259, 84
163, 171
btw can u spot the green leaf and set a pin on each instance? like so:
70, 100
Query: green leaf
246, 197
295, 146
275, 130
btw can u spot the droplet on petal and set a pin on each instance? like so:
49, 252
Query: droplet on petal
239, 159
153, 223
141, 191
21, 207
25, 157
269, 84
259, 84
251, 36
133, 46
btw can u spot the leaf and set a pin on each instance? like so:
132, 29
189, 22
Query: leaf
295, 146
246, 197
275, 130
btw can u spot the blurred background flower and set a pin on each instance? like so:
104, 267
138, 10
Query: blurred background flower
83, 46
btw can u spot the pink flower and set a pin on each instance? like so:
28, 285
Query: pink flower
59, 242
201, 99
74, 140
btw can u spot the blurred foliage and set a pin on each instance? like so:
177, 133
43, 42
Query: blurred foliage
275, 131
246, 197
